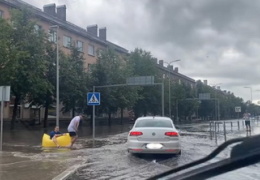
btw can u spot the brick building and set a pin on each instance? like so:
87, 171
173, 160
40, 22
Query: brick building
52, 19
174, 74
90, 40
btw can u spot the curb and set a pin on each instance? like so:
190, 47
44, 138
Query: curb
65, 174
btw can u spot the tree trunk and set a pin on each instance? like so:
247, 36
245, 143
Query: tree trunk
39, 116
73, 108
109, 118
122, 115
46, 112
73, 112
136, 114
16, 101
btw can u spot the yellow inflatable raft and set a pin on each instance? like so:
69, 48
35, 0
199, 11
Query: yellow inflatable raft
63, 141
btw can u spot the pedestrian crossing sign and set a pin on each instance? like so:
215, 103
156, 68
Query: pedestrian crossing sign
93, 98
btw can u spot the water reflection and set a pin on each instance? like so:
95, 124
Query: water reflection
29, 138
248, 133
23, 157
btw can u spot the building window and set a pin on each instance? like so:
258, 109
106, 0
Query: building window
90, 67
80, 46
164, 76
37, 28
91, 50
1, 13
53, 36
67, 41
99, 52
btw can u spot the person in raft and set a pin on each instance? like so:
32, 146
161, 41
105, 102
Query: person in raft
55, 134
73, 128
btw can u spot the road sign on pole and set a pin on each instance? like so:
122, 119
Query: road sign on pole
237, 109
93, 98
5, 93
204, 96
4, 96
140, 80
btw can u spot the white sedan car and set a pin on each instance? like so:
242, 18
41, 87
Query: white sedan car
154, 135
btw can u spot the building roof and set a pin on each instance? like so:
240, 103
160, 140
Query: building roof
64, 24
171, 71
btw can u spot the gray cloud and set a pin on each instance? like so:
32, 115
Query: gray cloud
216, 40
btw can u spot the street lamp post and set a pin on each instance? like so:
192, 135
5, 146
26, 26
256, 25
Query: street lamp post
216, 102
170, 85
57, 77
258, 102
250, 93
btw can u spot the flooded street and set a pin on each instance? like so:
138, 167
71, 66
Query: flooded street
23, 157
108, 159
113, 161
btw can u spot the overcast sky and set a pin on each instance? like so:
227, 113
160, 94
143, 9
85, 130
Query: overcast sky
216, 40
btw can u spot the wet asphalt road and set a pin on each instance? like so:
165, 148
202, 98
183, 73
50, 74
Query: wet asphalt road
113, 162
108, 159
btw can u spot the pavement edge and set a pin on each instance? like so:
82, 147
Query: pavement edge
65, 174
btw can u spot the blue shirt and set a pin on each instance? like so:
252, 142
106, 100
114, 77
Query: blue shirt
53, 133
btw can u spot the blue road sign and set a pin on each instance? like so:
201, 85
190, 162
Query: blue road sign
93, 98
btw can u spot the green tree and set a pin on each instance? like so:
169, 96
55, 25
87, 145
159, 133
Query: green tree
47, 98
74, 82
227, 103
126, 100
143, 64
187, 104
111, 69
28, 74
7, 55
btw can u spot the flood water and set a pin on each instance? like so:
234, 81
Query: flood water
23, 157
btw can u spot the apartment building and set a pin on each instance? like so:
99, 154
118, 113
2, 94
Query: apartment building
53, 20
90, 40
174, 74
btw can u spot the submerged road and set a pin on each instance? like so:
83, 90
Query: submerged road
110, 160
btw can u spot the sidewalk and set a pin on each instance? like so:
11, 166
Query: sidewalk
233, 129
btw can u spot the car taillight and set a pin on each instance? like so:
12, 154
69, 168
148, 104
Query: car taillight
136, 133
171, 134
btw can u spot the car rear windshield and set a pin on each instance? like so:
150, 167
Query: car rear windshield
153, 123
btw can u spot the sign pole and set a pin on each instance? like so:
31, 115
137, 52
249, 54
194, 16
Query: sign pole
237, 110
4, 96
93, 121
93, 99
2, 119
162, 99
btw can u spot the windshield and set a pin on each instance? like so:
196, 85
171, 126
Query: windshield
153, 123
184, 73
246, 173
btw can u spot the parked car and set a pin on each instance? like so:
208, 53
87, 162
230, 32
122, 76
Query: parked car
154, 135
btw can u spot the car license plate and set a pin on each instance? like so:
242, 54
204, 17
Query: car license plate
154, 146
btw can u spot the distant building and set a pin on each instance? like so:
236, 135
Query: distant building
174, 74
